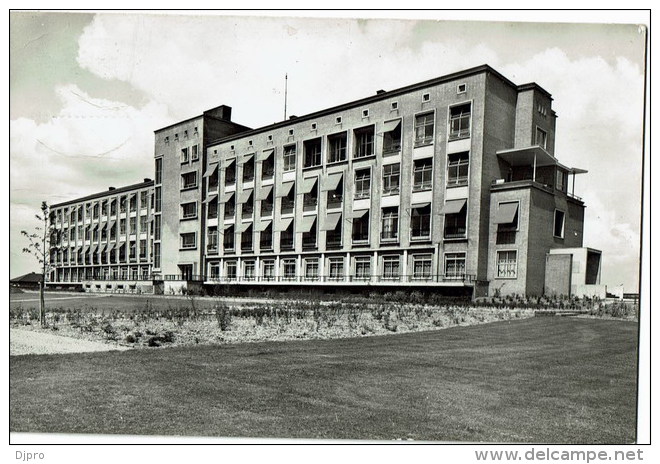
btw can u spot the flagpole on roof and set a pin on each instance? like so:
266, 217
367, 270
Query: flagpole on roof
286, 79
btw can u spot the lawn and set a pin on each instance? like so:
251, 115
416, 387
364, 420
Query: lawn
552, 379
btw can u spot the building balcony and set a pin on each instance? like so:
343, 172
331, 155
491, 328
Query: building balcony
357, 280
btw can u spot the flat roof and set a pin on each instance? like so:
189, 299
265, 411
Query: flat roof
106, 193
484, 68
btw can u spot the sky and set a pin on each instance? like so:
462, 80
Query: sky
88, 90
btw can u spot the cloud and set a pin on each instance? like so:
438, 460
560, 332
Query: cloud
91, 144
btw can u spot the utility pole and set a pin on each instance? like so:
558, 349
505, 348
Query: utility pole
286, 81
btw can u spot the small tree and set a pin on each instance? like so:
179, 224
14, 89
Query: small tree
39, 248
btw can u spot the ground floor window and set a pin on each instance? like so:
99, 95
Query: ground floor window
231, 270
336, 268
289, 268
248, 270
214, 270
422, 266
391, 267
363, 268
507, 264
269, 270
455, 265
312, 269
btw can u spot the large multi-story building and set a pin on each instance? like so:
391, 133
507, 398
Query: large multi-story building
450, 183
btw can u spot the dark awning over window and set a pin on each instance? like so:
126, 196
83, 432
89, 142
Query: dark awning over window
243, 226
308, 185
331, 221
331, 182
244, 196
389, 126
307, 223
110, 246
453, 206
246, 158
283, 224
264, 192
211, 170
285, 189
227, 196
262, 225
506, 213
210, 198
263, 156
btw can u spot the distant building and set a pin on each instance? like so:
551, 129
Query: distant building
450, 183
29, 281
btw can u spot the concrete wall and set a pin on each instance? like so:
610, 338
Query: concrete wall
558, 275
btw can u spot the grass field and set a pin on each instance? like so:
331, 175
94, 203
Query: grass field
556, 380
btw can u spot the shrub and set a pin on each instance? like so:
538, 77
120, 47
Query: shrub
223, 316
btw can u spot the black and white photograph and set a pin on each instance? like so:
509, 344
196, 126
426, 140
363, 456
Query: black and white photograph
348, 227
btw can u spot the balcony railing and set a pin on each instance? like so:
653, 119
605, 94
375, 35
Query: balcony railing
459, 134
422, 141
333, 241
455, 232
424, 185
367, 278
394, 147
457, 181
361, 194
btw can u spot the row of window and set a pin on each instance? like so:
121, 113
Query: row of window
123, 252
105, 231
114, 273
189, 154
390, 269
103, 208
336, 144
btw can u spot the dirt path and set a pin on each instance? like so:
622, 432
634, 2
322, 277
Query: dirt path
30, 342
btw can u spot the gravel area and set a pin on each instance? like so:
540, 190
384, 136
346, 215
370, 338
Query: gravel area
31, 342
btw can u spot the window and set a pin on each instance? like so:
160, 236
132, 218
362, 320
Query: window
156, 230
365, 113
459, 122
96, 210
390, 224
361, 228
189, 180
455, 224
184, 155
391, 177
338, 120
461, 88
268, 270
132, 203
311, 269
559, 224
214, 271
313, 126
391, 267
290, 131
541, 138
246, 239
394, 105
268, 167
228, 239
312, 153
309, 236
212, 209
132, 253
457, 169
561, 181
423, 174
230, 172
333, 237
422, 267
424, 129
249, 270
143, 249
336, 196
188, 240
144, 200
426, 97
132, 224
157, 255
286, 238
420, 222
364, 142
248, 170
337, 147
363, 267
188, 210
157, 200
231, 270
392, 137
212, 240
362, 183
455, 266
266, 238
336, 268
247, 208
290, 158
507, 264
310, 198
289, 268
143, 224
